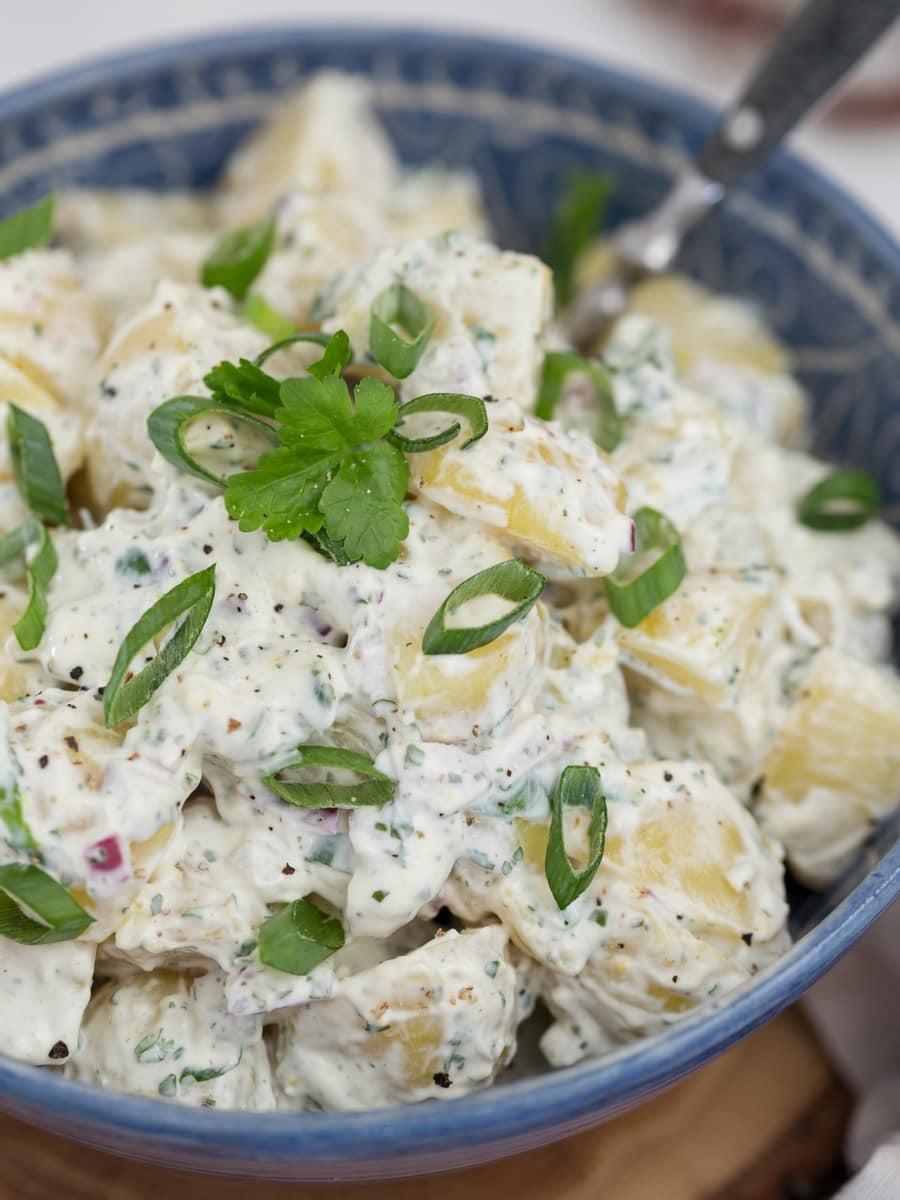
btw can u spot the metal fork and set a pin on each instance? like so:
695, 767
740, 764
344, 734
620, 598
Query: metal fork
810, 56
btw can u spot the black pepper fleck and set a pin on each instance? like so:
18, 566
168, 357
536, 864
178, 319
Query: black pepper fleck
76, 672
43, 760
442, 1079
59, 1050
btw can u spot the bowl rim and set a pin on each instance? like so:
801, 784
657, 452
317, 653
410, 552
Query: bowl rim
560, 1101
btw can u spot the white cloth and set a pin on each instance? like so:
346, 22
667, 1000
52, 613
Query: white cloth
856, 1012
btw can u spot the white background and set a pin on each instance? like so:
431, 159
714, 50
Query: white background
39, 35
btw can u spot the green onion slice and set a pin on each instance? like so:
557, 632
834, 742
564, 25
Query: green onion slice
15, 543
397, 305
582, 787
29, 629
471, 408
28, 228
576, 220
557, 368
26, 893
299, 937
512, 580
125, 694
377, 789
335, 358
842, 501
268, 320
167, 426
35, 467
646, 578
238, 258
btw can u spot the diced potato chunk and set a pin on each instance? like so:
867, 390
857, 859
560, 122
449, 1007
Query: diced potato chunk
324, 137
170, 1036
835, 765
491, 308
164, 349
436, 1023
44, 991
552, 493
453, 695
705, 639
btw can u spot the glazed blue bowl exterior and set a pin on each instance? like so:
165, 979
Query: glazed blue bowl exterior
828, 280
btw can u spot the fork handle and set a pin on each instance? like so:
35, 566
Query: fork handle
820, 45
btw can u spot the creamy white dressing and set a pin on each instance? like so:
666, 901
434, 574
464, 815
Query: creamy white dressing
164, 829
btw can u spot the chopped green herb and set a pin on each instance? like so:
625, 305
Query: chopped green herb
192, 599
26, 893
35, 467
27, 229
842, 501
299, 937
238, 258
578, 786
575, 223
512, 580
641, 582
377, 789
398, 305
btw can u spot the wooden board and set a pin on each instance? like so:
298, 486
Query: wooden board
760, 1123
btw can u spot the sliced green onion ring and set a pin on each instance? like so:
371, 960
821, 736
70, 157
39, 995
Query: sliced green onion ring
167, 426
26, 890
646, 578
192, 598
299, 937
238, 258
28, 228
512, 580
471, 408
577, 787
336, 357
398, 305
842, 501
557, 368
376, 790
268, 320
15, 543
29, 629
35, 467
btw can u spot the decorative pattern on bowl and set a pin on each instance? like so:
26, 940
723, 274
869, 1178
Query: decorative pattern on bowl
828, 280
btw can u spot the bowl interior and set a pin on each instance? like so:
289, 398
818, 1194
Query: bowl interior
828, 281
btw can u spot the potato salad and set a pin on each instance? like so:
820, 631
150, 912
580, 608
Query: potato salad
379, 672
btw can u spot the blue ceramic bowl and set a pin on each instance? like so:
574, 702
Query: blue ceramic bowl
828, 280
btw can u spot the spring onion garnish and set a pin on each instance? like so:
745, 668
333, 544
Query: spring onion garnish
397, 305
557, 368
29, 629
28, 228
268, 320
16, 542
511, 580
577, 787
377, 788
576, 220
27, 892
238, 258
336, 355
34, 466
649, 576
192, 598
471, 408
843, 500
168, 424
298, 937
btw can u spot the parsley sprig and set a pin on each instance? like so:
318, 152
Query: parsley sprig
338, 475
